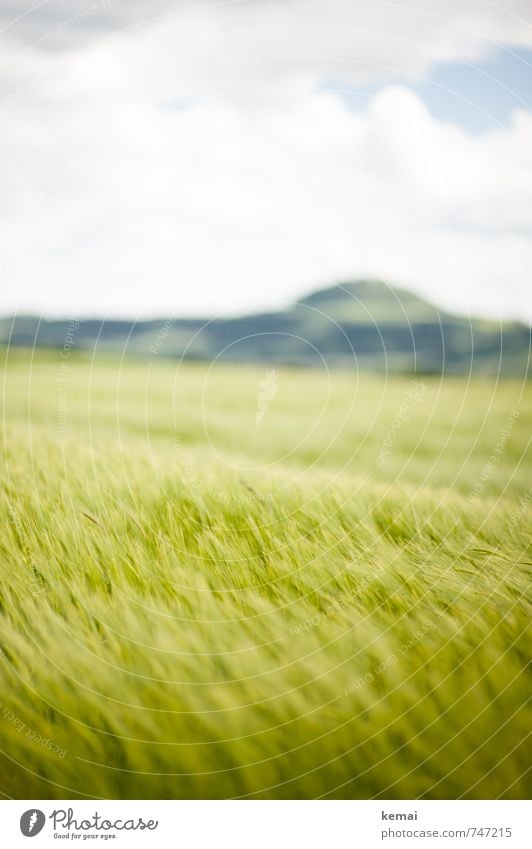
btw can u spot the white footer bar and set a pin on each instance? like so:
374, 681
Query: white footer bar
266, 824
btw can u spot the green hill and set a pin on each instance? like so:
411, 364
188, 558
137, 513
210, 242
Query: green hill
369, 301
367, 325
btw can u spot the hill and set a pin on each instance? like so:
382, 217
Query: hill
366, 324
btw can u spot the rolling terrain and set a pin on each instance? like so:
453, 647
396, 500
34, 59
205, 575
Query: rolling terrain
366, 325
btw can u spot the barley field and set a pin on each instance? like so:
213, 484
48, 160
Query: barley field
227, 582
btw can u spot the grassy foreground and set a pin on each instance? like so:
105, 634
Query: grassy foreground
212, 588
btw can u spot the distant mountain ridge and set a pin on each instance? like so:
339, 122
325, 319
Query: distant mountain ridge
365, 324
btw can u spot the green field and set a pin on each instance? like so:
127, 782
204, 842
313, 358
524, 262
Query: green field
329, 603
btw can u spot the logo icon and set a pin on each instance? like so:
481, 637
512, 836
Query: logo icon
32, 822
267, 392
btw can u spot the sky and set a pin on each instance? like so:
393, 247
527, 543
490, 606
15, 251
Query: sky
162, 157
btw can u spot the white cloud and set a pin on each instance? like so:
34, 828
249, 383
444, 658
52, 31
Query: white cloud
264, 186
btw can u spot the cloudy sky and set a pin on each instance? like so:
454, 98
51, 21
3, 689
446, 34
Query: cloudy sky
174, 157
